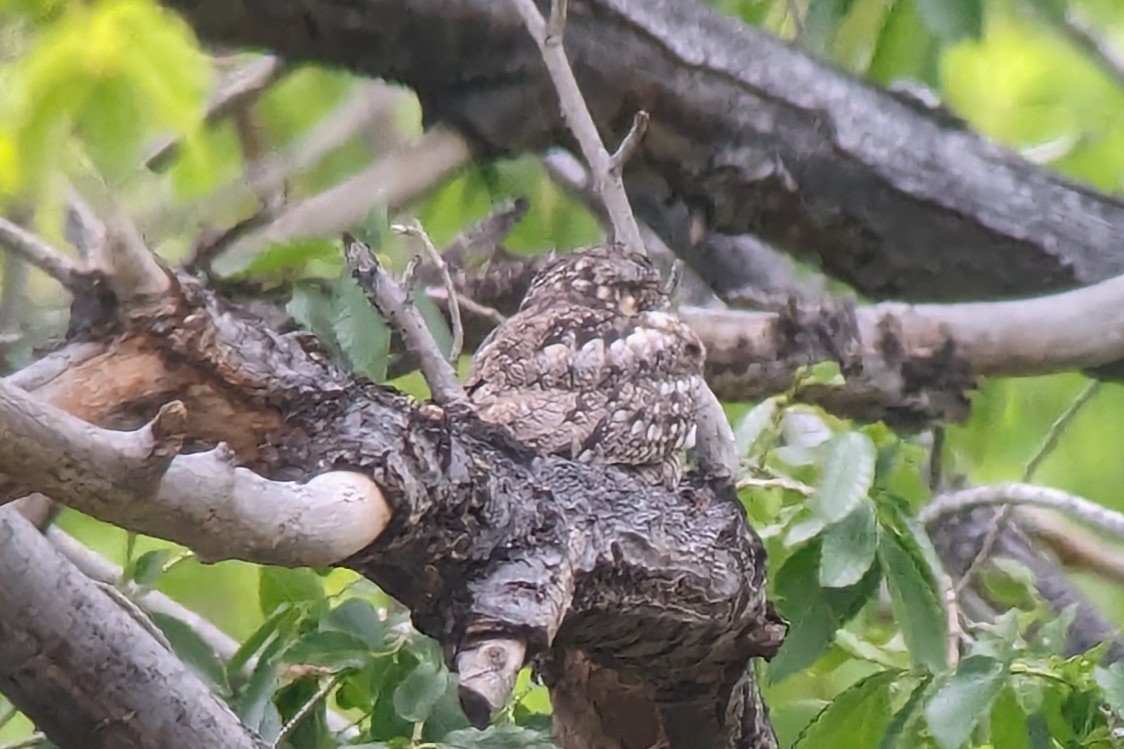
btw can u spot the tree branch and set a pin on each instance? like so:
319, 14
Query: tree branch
120, 688
747, 132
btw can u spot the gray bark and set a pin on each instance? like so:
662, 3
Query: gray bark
84, 670
747, 132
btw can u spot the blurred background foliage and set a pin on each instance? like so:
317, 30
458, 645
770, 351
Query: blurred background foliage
88, 89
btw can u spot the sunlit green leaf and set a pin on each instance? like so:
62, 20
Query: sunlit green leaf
952, 20
277, 586
753, 424
1008, 723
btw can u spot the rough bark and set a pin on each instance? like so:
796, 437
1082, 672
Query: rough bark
86, 671
747, 132
487, 539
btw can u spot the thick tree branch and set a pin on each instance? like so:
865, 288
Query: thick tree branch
85, 670
752, 134
136, 480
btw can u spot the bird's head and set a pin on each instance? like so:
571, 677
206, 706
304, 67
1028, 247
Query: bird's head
600, 276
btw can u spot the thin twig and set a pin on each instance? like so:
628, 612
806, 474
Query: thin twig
1016, 494
392, 302
1049, 442
468, 305
580, 121
477, 244
306, 708
416, 230
1057, 429
630, 143
40, 254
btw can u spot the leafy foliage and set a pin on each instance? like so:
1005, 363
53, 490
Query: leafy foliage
870, 660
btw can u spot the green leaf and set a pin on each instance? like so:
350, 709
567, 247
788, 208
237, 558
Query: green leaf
964, 699
148, 567
849, 547
280, 621
337, 651
906, 716
193, 650
814, 613
952, 20
416, 696
915, 602
294, 257
1008, 723
856, 719
848, 476
254, 703
278, 586
498, 737
753, 424
821, 21
362, 333
434, 319
905, 48
1111, 682
359, 619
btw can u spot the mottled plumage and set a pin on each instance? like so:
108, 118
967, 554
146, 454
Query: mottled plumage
594, 366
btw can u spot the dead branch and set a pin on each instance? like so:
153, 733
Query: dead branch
394, 181
138, 480
1028, 495
392, 301
416, 230
31, 248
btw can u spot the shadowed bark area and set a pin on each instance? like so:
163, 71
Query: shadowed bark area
625, 594
747, 132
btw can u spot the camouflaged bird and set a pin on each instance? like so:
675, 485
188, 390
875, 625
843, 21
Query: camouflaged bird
594, 366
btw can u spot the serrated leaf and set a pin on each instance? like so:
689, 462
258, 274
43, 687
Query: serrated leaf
277, 586
194, 651
419, 692
337, 651
964, 700
363, 335
855, 719
753, 424
952, 20
498, 737
916, 604
847, 478
814, 613
849, 547
905, 717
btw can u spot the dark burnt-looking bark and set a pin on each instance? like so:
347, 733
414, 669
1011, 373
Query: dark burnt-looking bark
660, 590
747, 131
